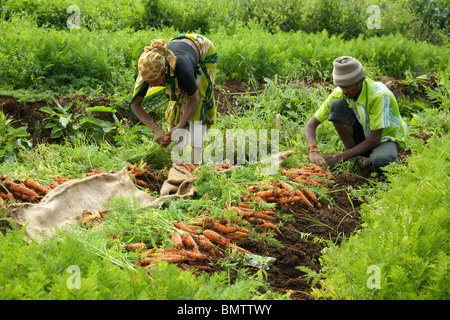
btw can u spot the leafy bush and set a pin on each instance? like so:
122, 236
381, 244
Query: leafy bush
50, 270
11, 139
405, 235
422, 20
94, 15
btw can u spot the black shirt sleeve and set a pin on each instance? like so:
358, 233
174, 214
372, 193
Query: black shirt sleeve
186, 75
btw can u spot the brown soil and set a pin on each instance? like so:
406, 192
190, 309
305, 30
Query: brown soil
338, 218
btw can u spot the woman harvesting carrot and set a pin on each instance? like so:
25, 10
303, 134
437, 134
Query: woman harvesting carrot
180, 77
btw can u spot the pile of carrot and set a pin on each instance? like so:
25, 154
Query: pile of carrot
311, 175
27, 190
196, 244
32, 191
284, 194
188, 166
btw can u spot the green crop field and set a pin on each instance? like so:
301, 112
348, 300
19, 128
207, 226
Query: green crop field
67, 73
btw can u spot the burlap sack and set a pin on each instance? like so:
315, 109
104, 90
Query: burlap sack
65, 204
179, 184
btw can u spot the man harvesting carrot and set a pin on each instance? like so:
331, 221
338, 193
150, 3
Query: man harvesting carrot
365, 115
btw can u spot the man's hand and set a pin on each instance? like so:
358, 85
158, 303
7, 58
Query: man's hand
317, 159
331, 161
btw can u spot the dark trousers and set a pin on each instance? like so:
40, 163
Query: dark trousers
380, 156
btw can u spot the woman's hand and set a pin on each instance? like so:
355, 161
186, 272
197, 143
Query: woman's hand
164, 140
316, 158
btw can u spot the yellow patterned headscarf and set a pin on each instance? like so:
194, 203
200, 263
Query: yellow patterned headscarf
152, 62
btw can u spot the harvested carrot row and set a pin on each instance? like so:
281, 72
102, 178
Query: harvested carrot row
35, 185
140, 182
189, 254
217, 226
190, 243
304, 199
20, 189
60, 179
176, 239
52, 185
264, 194
312, 197
180, 225
198, 267
216, 238
285, 186
271, 226
135, 246
206, 245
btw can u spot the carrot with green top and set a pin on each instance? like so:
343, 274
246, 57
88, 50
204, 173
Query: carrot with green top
304, 199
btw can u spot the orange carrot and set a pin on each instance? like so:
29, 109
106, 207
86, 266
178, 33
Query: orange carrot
215, 237
264, 216
139, 182
252, 189
170, 258
182, 164
285, 186
136, 246
189, 254
140, 173
224, 229
60, 179
316, 167
198, 267
10, 196
1, 201
303, 198
52, 185
206, 245
271, 226
176, 239
264, 194
240, 249
256, 220
151, 251
3, 177
101, 213
20, 189
312, 197
189, 241
3, 195
192, 167
288, 200
35, 185
243, 205
180, 225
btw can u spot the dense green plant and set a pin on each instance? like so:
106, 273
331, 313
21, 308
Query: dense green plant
93, 15
63, 61
85, 265
77, 125
11, 139
405, 237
